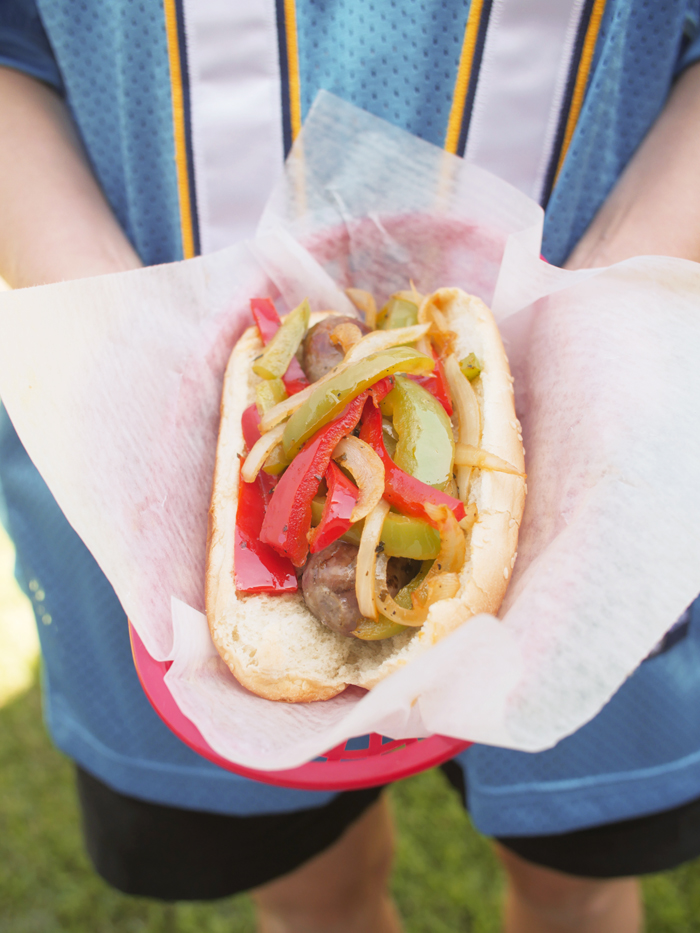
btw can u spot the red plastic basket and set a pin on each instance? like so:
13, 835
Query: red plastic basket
361, 762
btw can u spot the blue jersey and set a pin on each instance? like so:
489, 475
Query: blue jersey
186, 111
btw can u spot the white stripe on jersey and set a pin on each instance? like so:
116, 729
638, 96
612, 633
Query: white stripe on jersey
524, 70
235, 114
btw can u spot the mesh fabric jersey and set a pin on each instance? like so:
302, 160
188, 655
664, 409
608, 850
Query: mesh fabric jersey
401, 61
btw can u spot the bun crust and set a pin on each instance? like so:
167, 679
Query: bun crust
272, 644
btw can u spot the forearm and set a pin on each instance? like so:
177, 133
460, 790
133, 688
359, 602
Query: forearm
655, 207
55, 221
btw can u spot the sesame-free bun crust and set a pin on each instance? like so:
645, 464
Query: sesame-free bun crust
272, 644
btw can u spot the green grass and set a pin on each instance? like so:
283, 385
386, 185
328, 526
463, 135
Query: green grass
446, 878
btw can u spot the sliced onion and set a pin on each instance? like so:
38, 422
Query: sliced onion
367, 470
345, 336
391, 609
384, 339
388, 606
370, 343
441, 581
444, 586
284, 409
260, 451
466, 455
424, 346
466, 406
448, 563
368, 630
367, 559
428, 312
417, 297
471, 515
364, 301
441, 586
425, 310
443, 337
453, 549
413, 295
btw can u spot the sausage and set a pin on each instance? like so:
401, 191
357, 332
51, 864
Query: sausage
320, 356
328, 585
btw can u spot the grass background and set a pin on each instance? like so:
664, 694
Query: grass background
446, 878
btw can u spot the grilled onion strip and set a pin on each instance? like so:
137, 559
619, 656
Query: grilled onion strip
367, 559
466, 455
364, 301
367, 470
443, 576
345, 336
260, 451
388, 606
466, 406
442, 580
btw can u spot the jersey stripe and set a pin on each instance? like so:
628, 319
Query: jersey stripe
232, 53
289, 71
579, 74
467, 76
179, 82
522, 80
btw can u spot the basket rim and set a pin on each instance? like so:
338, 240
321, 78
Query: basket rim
401, 757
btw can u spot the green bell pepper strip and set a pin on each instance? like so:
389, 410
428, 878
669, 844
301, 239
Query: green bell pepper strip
369, 630
268, 323
426, 447
276, 463
402, 536
405, 493
329, 399
268, 393
470, 367
398, 312
278, 353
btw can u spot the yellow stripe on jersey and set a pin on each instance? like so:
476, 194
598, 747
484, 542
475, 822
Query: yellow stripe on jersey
582, 76
183, 185
290, 24
464, 73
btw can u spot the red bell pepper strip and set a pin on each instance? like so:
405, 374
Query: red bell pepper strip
405, 493
258, 568
250, 423
268, 322
436, 383
340, 501
442, 389
381, 389
266, 318
288, 518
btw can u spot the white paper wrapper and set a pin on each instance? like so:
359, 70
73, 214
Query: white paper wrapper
113, 385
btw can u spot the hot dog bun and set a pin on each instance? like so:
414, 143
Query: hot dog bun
273, 644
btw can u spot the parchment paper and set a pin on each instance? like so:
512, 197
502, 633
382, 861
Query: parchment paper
113, 385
